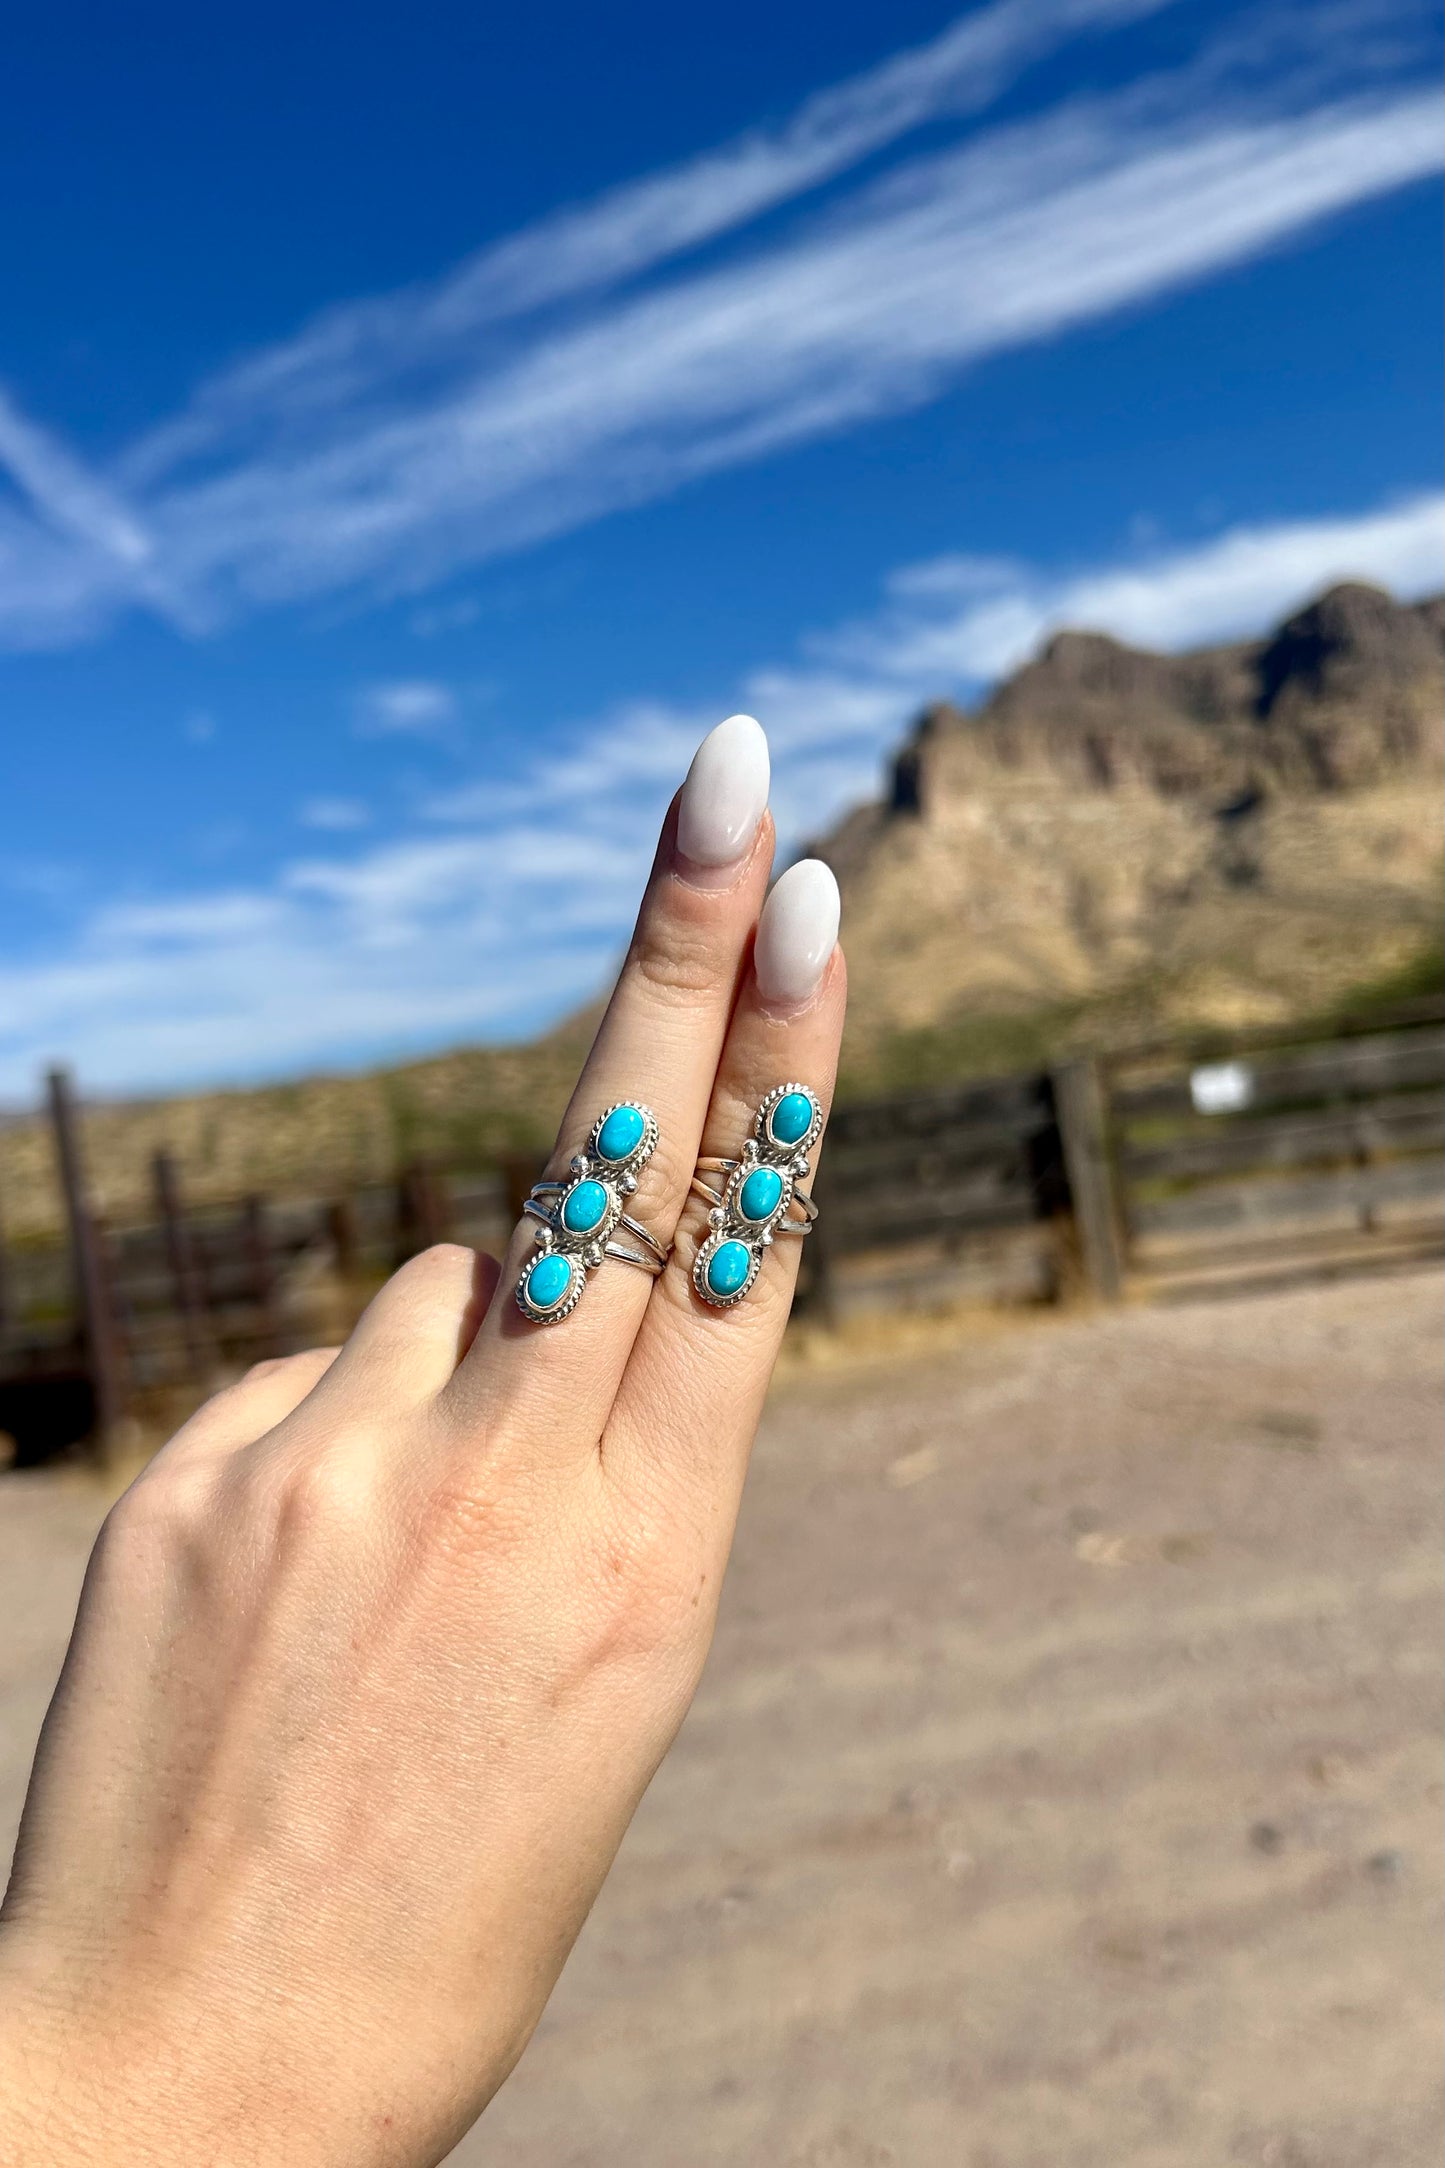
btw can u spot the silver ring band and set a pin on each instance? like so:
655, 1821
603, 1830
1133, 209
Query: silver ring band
757, 1196
799, 1197
645, 1260
579, 1224
633, 1226
653, 1260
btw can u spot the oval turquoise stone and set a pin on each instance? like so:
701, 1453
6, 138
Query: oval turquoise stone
585, 1208
791, 1118
549, 1281
621, 1133
758, 1198
728, 1267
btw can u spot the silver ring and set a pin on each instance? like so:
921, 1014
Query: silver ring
781, 1225
800, 1197
758, 1191
577, 1230
633, 1226
649, 1263
654, 1260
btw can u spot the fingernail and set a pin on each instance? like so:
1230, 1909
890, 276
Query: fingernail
725, 795
797, 932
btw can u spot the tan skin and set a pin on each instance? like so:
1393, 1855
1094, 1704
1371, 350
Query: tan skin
375, 1660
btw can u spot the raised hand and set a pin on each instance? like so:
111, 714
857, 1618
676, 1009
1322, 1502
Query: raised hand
375, 1660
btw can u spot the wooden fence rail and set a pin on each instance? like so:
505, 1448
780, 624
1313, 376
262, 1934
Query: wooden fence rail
1281, 1159
920, 1195
1153, 1172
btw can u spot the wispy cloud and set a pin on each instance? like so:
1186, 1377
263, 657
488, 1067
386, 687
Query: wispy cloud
334, 816
460, 928
615, 353
965, 621
79, 543
356, 349
69, 497
415, 707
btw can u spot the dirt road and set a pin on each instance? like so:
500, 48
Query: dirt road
1064, 1789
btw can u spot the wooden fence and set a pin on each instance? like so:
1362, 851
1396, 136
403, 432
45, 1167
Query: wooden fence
145, 1315
1280, 1158
1157, 1171
936, 1196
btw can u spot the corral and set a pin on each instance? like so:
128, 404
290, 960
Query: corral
1163, 1170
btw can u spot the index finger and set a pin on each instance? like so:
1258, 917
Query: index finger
656, 1052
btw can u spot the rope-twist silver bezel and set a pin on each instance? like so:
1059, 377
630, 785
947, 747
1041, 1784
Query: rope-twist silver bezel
587, 1248
727, 1222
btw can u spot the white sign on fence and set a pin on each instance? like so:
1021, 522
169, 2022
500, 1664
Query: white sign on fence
1221, 1087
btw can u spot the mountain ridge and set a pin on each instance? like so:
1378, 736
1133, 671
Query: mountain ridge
1224, 836
1114, 840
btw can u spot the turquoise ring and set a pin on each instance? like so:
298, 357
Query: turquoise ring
583, 1219
758, 1192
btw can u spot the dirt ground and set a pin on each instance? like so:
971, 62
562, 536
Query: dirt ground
1063, 1791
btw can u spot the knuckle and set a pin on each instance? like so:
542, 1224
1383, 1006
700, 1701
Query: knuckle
305, 1363
734, 1107
674, 961
434, 1275
230, 1400
170, 1509
442, 1261
329, 1493
267, 1368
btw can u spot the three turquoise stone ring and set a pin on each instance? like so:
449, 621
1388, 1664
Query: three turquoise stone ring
758, 1192
584, 1219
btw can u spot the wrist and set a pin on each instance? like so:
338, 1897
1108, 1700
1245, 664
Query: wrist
74, 2089
43, 2100
148, 2086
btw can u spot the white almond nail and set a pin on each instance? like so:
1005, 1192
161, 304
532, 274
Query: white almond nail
797, 932
725, 795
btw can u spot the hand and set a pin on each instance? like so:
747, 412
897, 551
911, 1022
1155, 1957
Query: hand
376, 1658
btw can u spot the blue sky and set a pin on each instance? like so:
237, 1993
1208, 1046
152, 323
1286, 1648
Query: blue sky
417, 429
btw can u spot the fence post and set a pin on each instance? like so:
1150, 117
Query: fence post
420, 1210
185, 1271
434, 1206
97, 1318
345, 1237
256, 1237
1079, 1104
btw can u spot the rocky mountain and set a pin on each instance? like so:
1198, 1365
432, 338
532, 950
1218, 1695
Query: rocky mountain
1115, 840
1236, 835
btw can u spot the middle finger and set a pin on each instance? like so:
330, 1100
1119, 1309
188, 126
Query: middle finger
657, 1047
